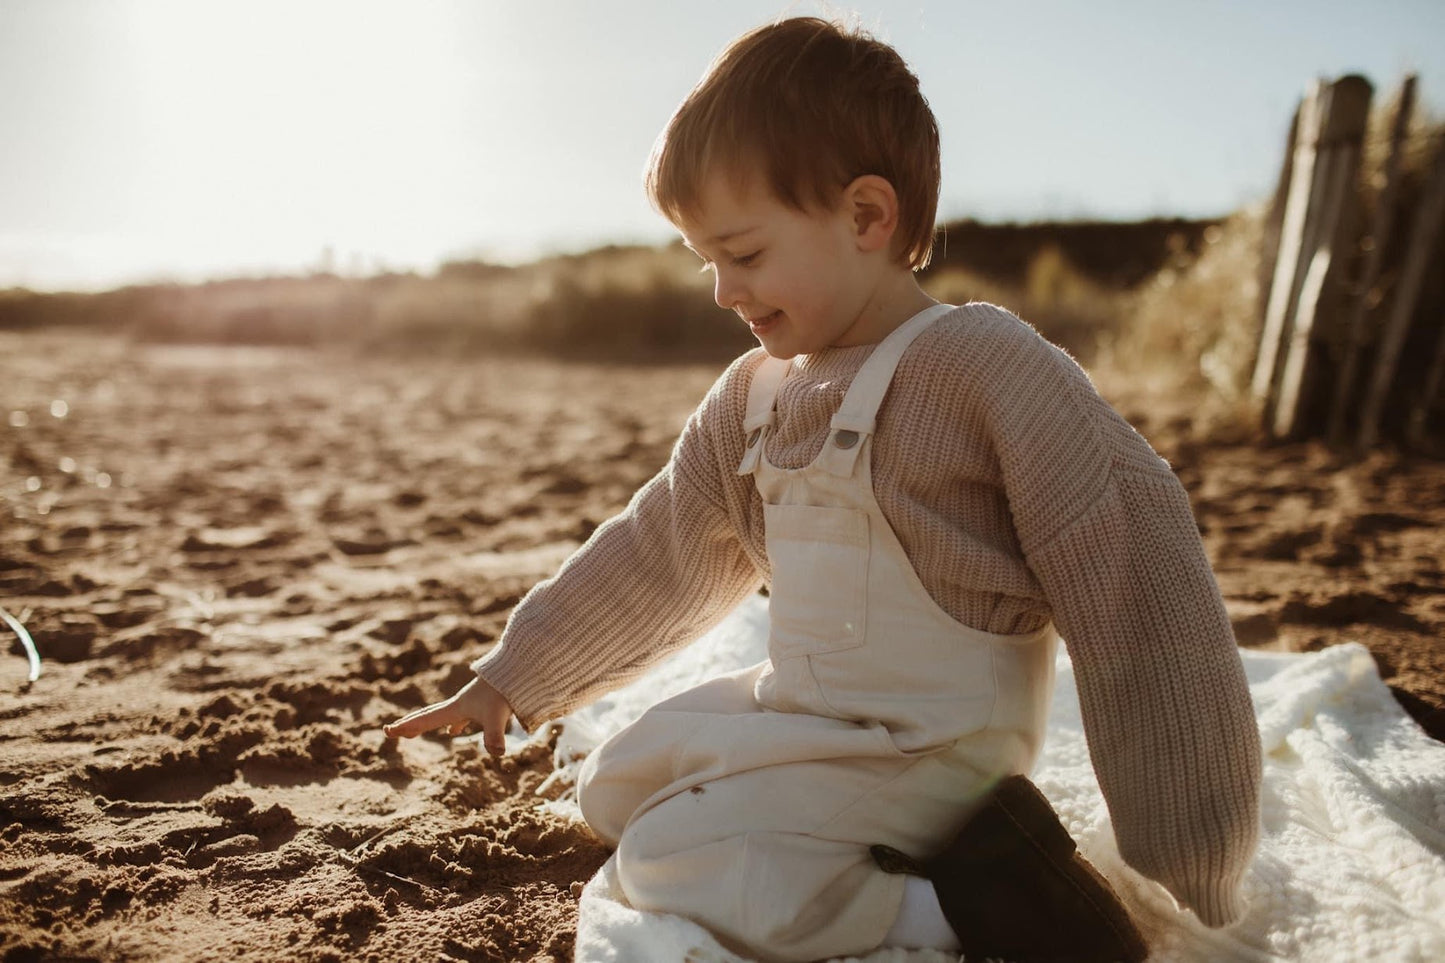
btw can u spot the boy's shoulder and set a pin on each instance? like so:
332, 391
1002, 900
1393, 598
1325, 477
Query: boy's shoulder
993, 353
739, 373
723, 407
987, 361
730, 392
985, 328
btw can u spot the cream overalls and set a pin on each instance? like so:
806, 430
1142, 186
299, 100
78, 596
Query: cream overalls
749, 803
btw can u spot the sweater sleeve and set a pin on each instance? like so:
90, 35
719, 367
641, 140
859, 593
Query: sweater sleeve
648, 581
1108, 531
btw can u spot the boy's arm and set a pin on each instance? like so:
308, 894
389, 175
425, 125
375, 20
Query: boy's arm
649, 580
1107, 529
1165, 703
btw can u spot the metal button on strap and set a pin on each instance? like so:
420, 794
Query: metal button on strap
845, 438
753, 438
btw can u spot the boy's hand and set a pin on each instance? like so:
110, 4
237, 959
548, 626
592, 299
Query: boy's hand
476, 702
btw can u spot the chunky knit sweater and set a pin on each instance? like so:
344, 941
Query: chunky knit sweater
1020, 496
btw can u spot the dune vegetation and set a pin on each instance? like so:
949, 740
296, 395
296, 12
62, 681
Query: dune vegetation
1074, 281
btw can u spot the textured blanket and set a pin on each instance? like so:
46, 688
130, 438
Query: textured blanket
1351, 864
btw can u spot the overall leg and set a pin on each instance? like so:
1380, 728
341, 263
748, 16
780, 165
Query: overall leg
640, 763
767, 893
776, 862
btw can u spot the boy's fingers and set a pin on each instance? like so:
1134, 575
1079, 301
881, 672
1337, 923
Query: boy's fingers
456, 714
424, 720
494, 730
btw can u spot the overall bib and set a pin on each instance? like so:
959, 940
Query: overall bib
749, 803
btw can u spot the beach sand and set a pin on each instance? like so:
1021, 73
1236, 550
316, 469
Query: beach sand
237, 563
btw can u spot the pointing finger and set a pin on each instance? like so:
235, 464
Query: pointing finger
423, 720
494, 730
495, 742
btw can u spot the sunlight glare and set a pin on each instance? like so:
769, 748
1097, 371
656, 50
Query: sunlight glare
276, 131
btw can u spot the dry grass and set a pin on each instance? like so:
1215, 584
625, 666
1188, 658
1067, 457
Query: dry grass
634, 303
1197, 320
611, 303
1068, 306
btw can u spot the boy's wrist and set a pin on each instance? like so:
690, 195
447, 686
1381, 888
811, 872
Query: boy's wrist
509, 677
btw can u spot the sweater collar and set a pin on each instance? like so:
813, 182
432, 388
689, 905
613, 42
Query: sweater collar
830, 363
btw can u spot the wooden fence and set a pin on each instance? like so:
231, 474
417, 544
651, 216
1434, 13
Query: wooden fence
1352, 344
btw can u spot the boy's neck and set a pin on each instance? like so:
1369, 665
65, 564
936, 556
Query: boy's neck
895, 301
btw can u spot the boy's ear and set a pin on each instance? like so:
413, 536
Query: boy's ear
872, 204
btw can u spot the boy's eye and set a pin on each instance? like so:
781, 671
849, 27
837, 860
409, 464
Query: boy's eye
741, 261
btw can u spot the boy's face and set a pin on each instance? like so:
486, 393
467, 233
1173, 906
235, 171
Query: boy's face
798, 278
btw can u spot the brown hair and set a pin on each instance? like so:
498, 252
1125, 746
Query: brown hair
812, 105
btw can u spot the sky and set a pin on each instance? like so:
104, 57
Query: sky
178, 139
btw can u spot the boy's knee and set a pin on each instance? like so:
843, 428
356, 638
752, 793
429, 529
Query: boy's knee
721, 885
600, 808
659, 868
657, 875
641, 872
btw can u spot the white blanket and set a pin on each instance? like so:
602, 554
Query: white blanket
1350, 863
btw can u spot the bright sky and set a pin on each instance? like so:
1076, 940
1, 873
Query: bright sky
142, 139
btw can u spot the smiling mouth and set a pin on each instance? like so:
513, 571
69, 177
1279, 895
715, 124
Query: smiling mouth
764, 322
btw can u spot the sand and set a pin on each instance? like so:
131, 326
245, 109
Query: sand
238, 562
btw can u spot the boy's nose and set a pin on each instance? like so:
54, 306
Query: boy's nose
726, 291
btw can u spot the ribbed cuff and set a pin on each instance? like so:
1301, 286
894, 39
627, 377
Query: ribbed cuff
1217, 903
510, 677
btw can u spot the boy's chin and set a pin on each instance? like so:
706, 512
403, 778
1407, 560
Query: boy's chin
779, 349
781, 343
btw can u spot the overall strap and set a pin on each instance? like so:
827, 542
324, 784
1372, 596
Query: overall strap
856, 417
762, 404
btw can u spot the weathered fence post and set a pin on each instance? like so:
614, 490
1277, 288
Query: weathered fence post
1381, 225
1274, 222
1321, 193
1417, 255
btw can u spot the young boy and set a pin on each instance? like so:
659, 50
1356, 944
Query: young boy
928, 491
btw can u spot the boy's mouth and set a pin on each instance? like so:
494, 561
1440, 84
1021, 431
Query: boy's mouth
759, 325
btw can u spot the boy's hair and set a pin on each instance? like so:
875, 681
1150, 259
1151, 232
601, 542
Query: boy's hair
811, 105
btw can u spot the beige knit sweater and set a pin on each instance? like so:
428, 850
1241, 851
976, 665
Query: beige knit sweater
1020, 495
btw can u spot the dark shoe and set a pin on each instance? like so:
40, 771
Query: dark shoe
1013, 886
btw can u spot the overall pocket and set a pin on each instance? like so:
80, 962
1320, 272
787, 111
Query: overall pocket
819, 595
